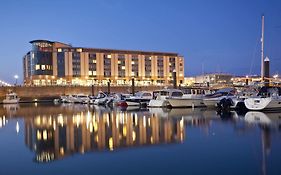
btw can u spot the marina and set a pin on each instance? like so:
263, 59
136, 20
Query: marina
140, 87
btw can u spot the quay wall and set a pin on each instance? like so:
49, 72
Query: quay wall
28, 92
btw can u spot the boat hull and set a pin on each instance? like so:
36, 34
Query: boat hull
12, 101
211, 102
259, 104
185, 102
154, 103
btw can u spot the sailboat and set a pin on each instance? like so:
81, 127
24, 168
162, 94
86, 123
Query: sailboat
268, 98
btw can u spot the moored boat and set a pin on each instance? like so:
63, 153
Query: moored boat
212, 100
268, 98
11, 98
174, 98
141, 98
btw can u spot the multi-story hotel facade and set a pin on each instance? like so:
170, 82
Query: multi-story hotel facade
56, 63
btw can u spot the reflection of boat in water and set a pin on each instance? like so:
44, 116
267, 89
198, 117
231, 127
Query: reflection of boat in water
11, 109
54, 137
272, 118
175, 112
257, 117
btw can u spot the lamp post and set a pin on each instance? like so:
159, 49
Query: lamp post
108, 86
16, 77
133, 85
174, 75
92, 85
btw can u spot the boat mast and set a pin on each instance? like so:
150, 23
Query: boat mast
262, 47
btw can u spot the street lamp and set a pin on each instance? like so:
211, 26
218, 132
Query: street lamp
16, 77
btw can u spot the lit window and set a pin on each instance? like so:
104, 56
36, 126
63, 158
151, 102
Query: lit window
133, 62
119, 62
108, 56
45, 135
79, 50
59, 50
37, 67
90, 73
123, 67
94, 72
39, 135
94, 61
133, 74
43, 67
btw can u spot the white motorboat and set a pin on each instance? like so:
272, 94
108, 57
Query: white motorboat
212, 100
268, 98
67, 98
139, 99
174, 98
64, 98
101, 99
11, 98
80, 98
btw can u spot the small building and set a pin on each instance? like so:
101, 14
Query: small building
213, 79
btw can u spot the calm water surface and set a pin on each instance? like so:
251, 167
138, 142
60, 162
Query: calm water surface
52, 139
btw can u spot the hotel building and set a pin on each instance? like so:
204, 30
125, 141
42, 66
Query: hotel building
55, 63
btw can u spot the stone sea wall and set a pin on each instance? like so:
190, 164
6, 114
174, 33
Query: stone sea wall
28, 92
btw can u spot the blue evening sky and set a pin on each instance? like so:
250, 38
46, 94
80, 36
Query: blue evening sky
212, 35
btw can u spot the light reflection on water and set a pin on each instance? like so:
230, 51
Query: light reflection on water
56, 132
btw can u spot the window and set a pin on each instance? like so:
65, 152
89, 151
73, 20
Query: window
37, 67
177, 94
43, 67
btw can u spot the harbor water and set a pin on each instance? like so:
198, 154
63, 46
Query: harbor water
49, 139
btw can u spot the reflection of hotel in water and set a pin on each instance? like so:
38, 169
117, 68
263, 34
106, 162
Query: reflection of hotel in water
55, 137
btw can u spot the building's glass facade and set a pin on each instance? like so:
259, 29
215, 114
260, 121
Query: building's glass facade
55, 63
41, 57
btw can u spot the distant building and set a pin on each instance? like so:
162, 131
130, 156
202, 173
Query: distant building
189, 81
246, 80
213, 79
55, 63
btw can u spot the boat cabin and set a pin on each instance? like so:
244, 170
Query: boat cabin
269, 91
168, 93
